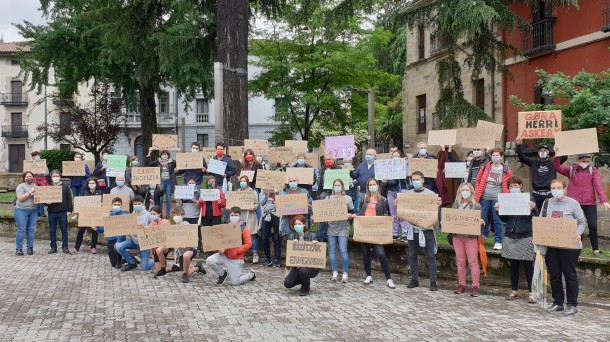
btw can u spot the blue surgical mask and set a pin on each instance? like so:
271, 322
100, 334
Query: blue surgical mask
369, 158
293, 185
154, 217
373, 188
37, 158
152, 186
347, 164
194, 150
298, 228
116, 208
243, 185
301, 161
120, 183
496, 159
137, 207
557, 194
234, 219
515, 190
135, 163
417, 184
337, 188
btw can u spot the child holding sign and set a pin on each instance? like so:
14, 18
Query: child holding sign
300, 275
144, 220
248, 215
116, 260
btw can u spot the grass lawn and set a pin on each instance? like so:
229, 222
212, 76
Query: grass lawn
7, 197
7, 212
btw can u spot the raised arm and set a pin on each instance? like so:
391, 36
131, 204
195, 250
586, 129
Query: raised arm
522, 158
563, 170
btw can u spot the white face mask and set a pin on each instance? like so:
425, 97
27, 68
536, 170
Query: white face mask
515, 190
422, 151
583, 165
234, 219
557, 194
466, 194
177, 219
56, 180
496, 159
476, 153
543, 155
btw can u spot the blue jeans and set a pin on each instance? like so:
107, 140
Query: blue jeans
254, 243
332, 252
486, 206
75, 190
26, 226
266, 227
166, 186
145, 262
62, 218
41, 209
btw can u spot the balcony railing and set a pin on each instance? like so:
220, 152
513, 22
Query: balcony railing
439, 43
203, 118
606, 16
14, 99
13, 131
537, 37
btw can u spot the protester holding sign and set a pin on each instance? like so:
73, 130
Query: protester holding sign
40, 179
329, 164
466, 246
299, 232
373, 204
78, 183
26, 213
561, 261
492, 180
91, 189
480, 158
518, 247
122, 189
211, 211
270, 221
152, 195
338, 234
293, 188
229, 170
191, 211
301, 163
104, 180
116, 260
248, 215
134, 162
58, 214
364, 172
251, 163
422, 153
585, 183
168, 176
391, 187
144, 220
193, 173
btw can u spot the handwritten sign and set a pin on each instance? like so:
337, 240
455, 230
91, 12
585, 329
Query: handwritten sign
304, 174
429, 167
91, 216
281, 154
555, 232
330, 176
447, 137
209, 194
291, 204
539, 124
216, 166
461, 221
246, 200
376, 230
107, 201
473, 138
221, 236
120, 225
260, 147
576, 142
380, 156
74, 168
164, 142
391, 168
418, 209
189, 161
340, 146
145, 175
329, 210
181, 236
236, 152
116, 166
153, 237
248, 173
514, 204
185, 192
48, 194
298, 146
266, 179
38, 167
87, 201
306, 254
455, 170
313, 160
491, 129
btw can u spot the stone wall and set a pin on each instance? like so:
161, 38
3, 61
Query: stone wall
9, 181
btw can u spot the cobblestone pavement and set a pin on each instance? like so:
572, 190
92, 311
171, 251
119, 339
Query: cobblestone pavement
80, 298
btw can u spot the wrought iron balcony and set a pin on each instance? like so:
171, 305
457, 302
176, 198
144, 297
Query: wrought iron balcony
14, 99
537, 37
13, 131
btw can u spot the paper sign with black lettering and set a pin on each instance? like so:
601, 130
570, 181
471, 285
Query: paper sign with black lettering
145, 175
216, 166
245, 200
539, 124
514, 204
331, 175
376, 230
221, 236
91, 216
391, 168
429, 167
555, 232
37, 167
181, 236
73, 168
189, 161
87, 201
306, 254
267, 179
329, 210
209, 194
459, 221
153, 237
456, 170
260, 147
184, 192
418, 209
291, 204
48, 194
116, 166
120, 225
164, 142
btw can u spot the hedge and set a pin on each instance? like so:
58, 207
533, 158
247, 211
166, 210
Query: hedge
55, 157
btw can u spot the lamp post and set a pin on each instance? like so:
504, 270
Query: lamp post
219, 69
371, 111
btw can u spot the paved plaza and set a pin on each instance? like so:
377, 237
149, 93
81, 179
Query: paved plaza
80, 298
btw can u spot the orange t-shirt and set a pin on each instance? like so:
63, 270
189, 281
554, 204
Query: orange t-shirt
371, 209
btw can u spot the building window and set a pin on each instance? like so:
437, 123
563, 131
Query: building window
421, 42
203, 140
537, 36
64, 122
540, 97
15, 62
281, 107
421, 114
606, 16
115, 102
479, 93
163, 102
65, 147
203, 110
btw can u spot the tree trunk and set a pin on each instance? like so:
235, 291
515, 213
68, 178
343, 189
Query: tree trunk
232, 51
148, 116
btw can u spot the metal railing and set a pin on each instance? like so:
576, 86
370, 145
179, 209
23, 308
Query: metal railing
537, 37
14, 99
14, 131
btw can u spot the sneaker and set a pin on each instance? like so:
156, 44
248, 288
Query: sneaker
175, 268
554, 308
391, 284
303, 293
185, 278
255, 258
344, 278
93, 250
368, 280
52, 251
74, 251
129, 267
221, 278
118, 265
19, 252
253, 275
412, 284
266, 263
30, 251
497, 246
396, 237
65, 250
461, 289
599, 255
276, 265
162, 273
570, 310
335, 276
433, 286
200, 268
476, 291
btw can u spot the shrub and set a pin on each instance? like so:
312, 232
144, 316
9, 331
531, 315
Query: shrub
55, 157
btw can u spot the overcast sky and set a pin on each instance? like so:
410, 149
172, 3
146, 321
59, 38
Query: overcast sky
16, 11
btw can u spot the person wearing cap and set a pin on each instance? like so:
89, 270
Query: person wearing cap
585, 183
543, 171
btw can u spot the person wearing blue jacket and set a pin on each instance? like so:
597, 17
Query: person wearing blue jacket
197, 174
364, 172
230, 170
422, 152
113, 255
105, 181
78, 183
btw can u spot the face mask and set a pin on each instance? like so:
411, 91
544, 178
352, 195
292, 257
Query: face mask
249, 157
395, 158
298, 228
466, 194
164, 157
92, 186
120, 184
194, 150
105, 157
116, 208
177, 219
583, 165
154, 217
293, 185
220, 153
135, 163
515, 190
301, 161
137, 207
477, 154
496, 159
234, 219
152, 186
557, 194
422, 151
543, 155
347, 164
259, 159
29, 180
337, 188
417, 184
329, 163
211, 185
193, 185
243, 185
369, 158
37, 158
56, 180
373, 188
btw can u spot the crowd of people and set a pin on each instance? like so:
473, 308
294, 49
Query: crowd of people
488, 175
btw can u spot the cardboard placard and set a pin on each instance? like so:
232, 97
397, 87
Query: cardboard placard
576, 142
91, 164
208, 152
236, 152
184, 192
189, 161
91, 216
491, 129
539, 124
555, 232
245, 200
209, 194
74, 168
216, 166
304, 174
340, 146
376, 230
260, 147
429, 167
459, 221
446, 137
37, 167
313, 159
306, 254
267, 179
391, 168
418, 209
221, 236
281, 154
107, 201
87, 201
164, 142
116, 166
329, 210
48, 194
330, 176
248, 173
473, 138
298, 146
120, 225
291, 204
456, 170
145, 175
514, 204
181, 236
153, 237
380, 156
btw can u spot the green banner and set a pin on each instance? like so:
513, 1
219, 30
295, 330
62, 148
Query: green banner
332, 175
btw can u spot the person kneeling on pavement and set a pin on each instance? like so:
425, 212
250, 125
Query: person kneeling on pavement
300, 275
144, 220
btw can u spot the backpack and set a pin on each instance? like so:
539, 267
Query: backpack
572, 170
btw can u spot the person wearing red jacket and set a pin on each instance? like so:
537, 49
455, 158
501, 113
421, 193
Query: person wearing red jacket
585, 182
492, 179
211, 211
233, 258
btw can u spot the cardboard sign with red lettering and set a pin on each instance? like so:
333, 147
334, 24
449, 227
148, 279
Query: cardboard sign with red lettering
460, 221
306, 254
48, 194
539, 124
